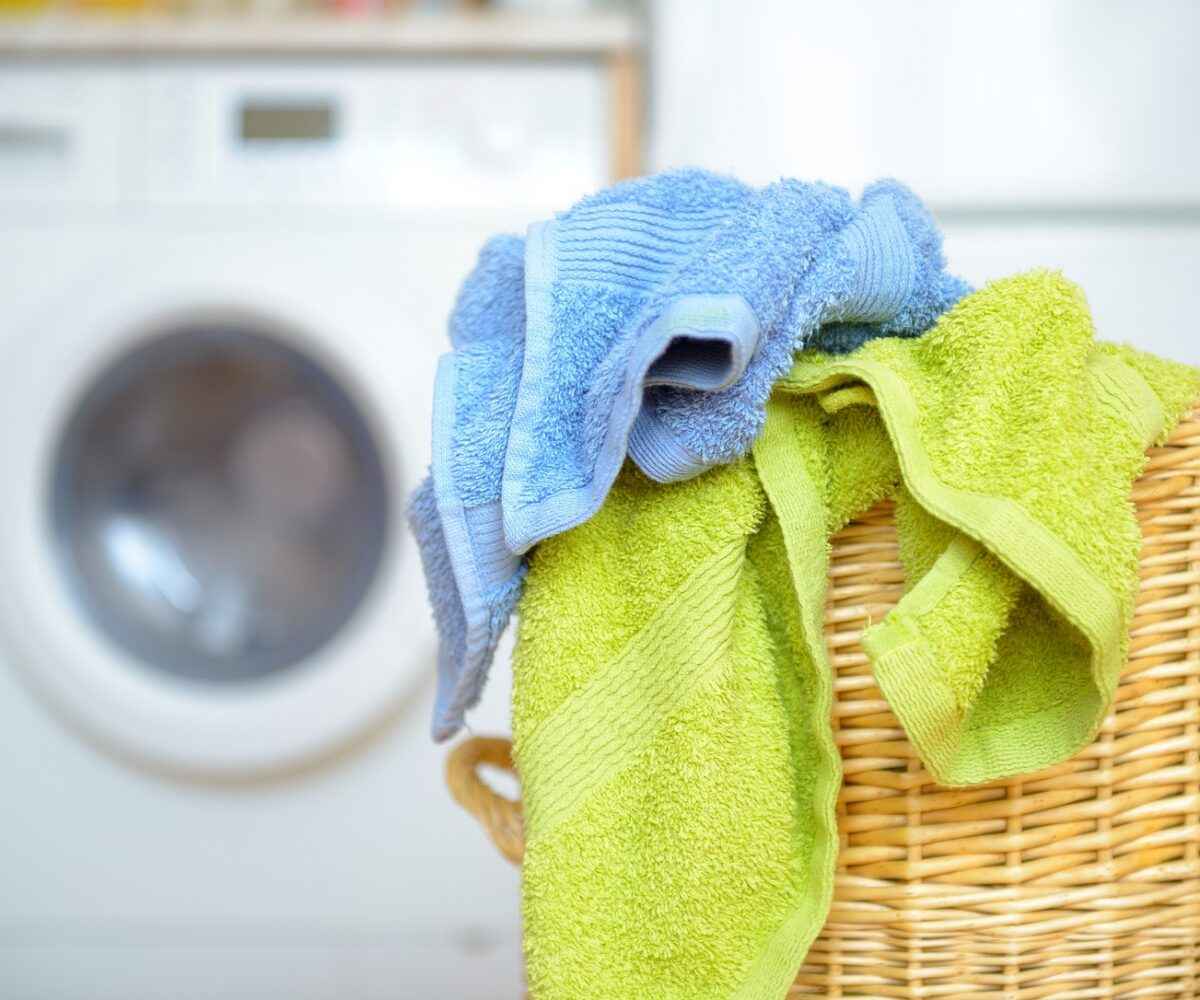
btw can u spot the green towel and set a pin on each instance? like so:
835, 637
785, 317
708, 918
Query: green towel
672, 688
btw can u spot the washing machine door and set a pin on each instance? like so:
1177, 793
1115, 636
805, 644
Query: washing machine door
218, 504
203, 528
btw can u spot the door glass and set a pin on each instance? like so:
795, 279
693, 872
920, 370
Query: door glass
219, 503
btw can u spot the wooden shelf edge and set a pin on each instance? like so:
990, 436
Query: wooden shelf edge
596, 34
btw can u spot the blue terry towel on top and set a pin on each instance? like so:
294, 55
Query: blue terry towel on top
660, 312
473, 579
657, 315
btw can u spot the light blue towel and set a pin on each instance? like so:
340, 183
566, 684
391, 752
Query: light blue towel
473, 579
657, 315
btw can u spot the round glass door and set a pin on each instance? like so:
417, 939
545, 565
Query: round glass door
219, 503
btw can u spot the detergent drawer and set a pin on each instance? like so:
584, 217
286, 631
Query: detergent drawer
60, 133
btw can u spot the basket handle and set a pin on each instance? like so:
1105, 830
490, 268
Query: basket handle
500, 816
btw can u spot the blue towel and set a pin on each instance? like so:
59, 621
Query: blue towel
474, 580
656, 316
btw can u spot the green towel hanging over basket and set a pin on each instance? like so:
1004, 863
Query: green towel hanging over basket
1082, 881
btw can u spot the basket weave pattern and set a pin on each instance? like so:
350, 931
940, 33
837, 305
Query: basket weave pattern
1077, 883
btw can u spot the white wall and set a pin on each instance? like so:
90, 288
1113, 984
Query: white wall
1043, 132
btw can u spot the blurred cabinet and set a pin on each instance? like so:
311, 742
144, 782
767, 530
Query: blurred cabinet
983, 104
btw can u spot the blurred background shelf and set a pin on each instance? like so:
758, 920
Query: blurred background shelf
488, 33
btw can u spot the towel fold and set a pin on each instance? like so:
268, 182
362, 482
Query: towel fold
672, 697
661, 311
650, 320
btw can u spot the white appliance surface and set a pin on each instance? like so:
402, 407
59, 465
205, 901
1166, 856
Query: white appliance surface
130, 196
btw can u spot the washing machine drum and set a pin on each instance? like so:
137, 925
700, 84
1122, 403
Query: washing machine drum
219, 504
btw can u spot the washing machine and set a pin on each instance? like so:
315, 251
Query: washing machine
223, 292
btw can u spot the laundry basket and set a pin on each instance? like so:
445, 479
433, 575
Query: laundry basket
1082, 881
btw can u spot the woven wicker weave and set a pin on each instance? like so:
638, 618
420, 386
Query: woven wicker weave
1079, 882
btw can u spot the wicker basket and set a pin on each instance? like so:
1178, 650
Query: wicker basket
1079, 882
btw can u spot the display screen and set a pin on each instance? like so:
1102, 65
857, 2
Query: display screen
286, 121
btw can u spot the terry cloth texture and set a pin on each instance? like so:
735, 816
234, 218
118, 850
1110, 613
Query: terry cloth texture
473, 579
672, 697
661, 311
651, 320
